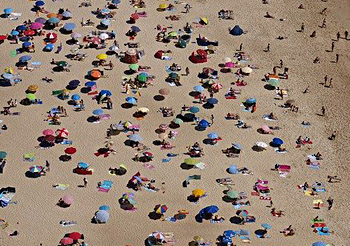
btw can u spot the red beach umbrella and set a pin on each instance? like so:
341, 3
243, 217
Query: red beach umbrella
75, 235
70, 150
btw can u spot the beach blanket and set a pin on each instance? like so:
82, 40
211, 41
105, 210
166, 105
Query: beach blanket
67, 142
61, 186
105, 186
326, 233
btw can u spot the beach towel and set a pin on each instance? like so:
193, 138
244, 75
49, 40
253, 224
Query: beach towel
165, 160
105, 186
66, 223
315, 165
216, 221
61, 186
327, 233
29, 157
67, 142
319, 225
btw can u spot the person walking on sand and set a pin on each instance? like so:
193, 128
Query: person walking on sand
212, 119
240, 47
323, 12
325, 79
323, 111
330, 83
47, 166
187, 71
336, 58
346, 34
302, 28
85, 182
313, 34
268, 48
330, 203
324, 23
59, 48
334, 134
332, 47
281, 63
338, 36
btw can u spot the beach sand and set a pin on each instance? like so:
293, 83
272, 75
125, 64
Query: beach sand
36, 216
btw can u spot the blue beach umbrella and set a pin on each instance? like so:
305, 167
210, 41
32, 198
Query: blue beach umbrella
116, 1
135, 137
39, 3
105, 92
40, 20
105, 22
203, 124
25, 58
97, 112
131, 100
69, 26
194, 110
319, 243
26, 44
213, 135
266, 226
277, 141
75, 97
105, 11
74, 83
104, 207
198, 88
14, 32
90, 84
102, 216
83, 165
67, 14
229, 233
212, 101
21, 28
7, 76
237, 146
211, 209
135, 29
8, 11
49, 46
53, 20
250, 100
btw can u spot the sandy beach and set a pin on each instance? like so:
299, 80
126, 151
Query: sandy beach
34, 213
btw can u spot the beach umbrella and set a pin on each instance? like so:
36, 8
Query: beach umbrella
3, 154
216, 86
198, 88
157, 235
274, 82
266, 226
40, 20
62, 63
250, 100
163, 6
237, 146
160, 208
51, 35
266, 128
69, 26
66, 241
232, 194
212, 101
213, 135
229, 64
95, 74
31, 96
134, 67
135, 137
227, 59
3, 37
75, 35
14, 32
83, 165
211, 209
102, 216
47, 132
36, 25
229, 233
53, 20
75, 97
164, 91
198, 239
49, 47
25, 58
233, 169
194, 110
68, 199
163, 127
62, 133
105, 11
67, 14
236, 31
319, 243
7, 76
33, 88
103, 36
51, 15
35, 169
142, 77
178, 121
277, 141
246, 70
143, 110
204, 20
135, 29
203, 124
135, 16
50, 138
74, 83
128, 195
29, 33
97, 112
191, 161
26, 44
8, 11
198, 192
105, 92
104, 207
95, 40
75, 235
173, 75
70, 150
21, 28
131, 100
116, 1
90, 84
39, 3
261, 145
105, 22
172, 34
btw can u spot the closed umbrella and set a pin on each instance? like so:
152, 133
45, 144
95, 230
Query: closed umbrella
164, 91
70, 150
48, 132
198, 192
97, 112
66, 241
68, 199
31, 96
102, 216
135, 137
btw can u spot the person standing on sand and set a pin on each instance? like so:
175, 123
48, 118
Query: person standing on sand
268, 48
212, 119
338, 36
85, 182
332, 47
346, 33
59, 48
323, 111
324, 23
187, 71
334, 134
330, 83
47, 166
281, 63
330, 203
240, 47
302, 28
325, 79
336, 58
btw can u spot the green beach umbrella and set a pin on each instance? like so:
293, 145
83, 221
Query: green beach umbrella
31, 96
178, 121
3, 154
191, 161
232, 194
134, 67
142, 77
62, 63
274, 82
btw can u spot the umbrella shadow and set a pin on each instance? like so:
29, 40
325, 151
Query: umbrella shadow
184, 166
64, 31
127, 105
5, 83
227, 199
71, 102
129, 72
208, 106
157, 142
65, 158
172, 125
194, 93
207, 141
269, 87
257, 148
31, 175
236, 220
154, 216
200, 129
71, 88
85, 90
192, 198
158, 98
92, 119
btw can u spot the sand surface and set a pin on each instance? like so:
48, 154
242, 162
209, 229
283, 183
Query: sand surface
36, 216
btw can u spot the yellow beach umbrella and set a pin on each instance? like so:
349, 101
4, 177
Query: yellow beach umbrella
102, 56
205, 20
163, 6
33, 88
198, 192
191, 161
9, 70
